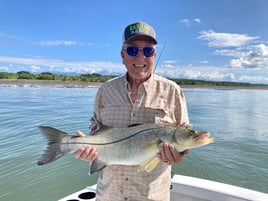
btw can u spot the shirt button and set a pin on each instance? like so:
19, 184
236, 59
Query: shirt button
125, 198
126, 179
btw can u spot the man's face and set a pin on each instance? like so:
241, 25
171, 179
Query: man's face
139, 67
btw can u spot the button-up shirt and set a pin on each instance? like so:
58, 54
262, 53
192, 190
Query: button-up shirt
159, 100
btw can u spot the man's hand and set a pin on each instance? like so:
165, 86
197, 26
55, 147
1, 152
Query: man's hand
168, 154
87, 153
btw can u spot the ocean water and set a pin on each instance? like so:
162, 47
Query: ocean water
238, 119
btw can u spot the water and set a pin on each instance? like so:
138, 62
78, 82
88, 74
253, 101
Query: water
236, 118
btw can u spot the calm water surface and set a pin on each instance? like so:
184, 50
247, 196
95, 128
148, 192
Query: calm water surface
236, 118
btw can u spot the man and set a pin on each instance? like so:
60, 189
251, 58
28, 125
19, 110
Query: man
135, 98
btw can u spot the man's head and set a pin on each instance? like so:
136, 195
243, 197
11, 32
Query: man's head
138, 50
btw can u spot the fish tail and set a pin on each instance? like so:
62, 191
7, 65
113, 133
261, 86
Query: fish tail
53, 151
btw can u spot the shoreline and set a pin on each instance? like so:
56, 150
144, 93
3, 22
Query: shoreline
48, 84
68, 84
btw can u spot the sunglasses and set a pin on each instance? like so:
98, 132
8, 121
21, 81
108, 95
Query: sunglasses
132, 51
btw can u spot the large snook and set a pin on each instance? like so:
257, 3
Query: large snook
137, 145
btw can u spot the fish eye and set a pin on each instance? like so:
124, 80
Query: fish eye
192, 132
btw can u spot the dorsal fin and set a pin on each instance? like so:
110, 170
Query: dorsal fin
100, 128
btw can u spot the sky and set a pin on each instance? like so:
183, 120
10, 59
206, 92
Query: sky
197, 39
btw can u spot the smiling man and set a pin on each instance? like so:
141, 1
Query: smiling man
137, 97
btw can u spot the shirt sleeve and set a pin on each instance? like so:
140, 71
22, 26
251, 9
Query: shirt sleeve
96, 120
181, 111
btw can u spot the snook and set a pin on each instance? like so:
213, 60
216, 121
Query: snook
137, 145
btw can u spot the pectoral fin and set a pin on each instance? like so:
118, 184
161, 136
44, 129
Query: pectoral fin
149, 164
96, 166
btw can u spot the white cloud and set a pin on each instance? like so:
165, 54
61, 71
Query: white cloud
256, 58
53, 43
204, 62
59, 43
4, 35
197, 20
188, 22
198, 73
185, 21
170, 62
237, 52
4, 69
46, 43
213, 73
221, 40
253, 79
35, 68
238, 46
41, 64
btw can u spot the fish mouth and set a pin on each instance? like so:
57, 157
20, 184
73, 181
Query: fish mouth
203, 139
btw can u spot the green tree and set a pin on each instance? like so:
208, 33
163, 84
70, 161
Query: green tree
46, 76
24, 75
6, 75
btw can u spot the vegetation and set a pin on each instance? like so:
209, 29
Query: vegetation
213, 83
25, 75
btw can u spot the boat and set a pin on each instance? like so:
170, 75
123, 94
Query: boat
186, 188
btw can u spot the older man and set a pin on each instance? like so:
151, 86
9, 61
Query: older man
135, 98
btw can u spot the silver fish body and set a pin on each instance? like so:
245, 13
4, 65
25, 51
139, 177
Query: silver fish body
137, 145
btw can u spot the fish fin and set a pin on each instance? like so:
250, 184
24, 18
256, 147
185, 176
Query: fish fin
100, 128
132, 125
153, 146
53, 151
149, 165
96, 166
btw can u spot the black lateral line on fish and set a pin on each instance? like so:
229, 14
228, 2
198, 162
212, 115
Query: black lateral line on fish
120, 140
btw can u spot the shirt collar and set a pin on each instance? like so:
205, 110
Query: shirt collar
147, 84
126, 84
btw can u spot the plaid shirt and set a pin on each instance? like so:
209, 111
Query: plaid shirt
159, 100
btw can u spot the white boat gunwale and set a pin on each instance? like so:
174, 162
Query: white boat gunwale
188, 188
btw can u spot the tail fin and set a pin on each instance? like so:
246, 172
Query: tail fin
52, 151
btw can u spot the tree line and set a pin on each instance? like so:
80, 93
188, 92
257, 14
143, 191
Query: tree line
25, 75
95, 77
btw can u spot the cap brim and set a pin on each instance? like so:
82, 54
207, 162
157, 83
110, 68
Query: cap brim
153, 40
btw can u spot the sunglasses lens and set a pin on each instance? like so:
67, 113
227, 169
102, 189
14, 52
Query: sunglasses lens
148, 51
132, 51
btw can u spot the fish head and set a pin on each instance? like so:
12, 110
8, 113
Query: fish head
188, 138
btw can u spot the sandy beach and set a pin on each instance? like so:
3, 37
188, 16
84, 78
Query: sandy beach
67, 84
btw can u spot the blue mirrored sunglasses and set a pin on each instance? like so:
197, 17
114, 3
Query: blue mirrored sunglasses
132, 51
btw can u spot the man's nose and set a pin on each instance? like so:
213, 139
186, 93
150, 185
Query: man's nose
140, 54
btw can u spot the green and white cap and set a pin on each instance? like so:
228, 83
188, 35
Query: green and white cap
139, 29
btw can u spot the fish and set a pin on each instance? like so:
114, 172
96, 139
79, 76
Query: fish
136, 145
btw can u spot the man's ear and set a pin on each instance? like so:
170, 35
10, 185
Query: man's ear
123, 56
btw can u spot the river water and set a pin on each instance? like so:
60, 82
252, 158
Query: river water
238, 119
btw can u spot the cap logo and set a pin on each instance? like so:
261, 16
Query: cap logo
136, 28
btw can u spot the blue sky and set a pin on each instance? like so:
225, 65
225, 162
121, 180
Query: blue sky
205, 39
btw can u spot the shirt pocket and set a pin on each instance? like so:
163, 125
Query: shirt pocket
160, 115
115, 115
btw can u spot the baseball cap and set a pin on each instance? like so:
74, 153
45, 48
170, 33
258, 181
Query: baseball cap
139, 29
